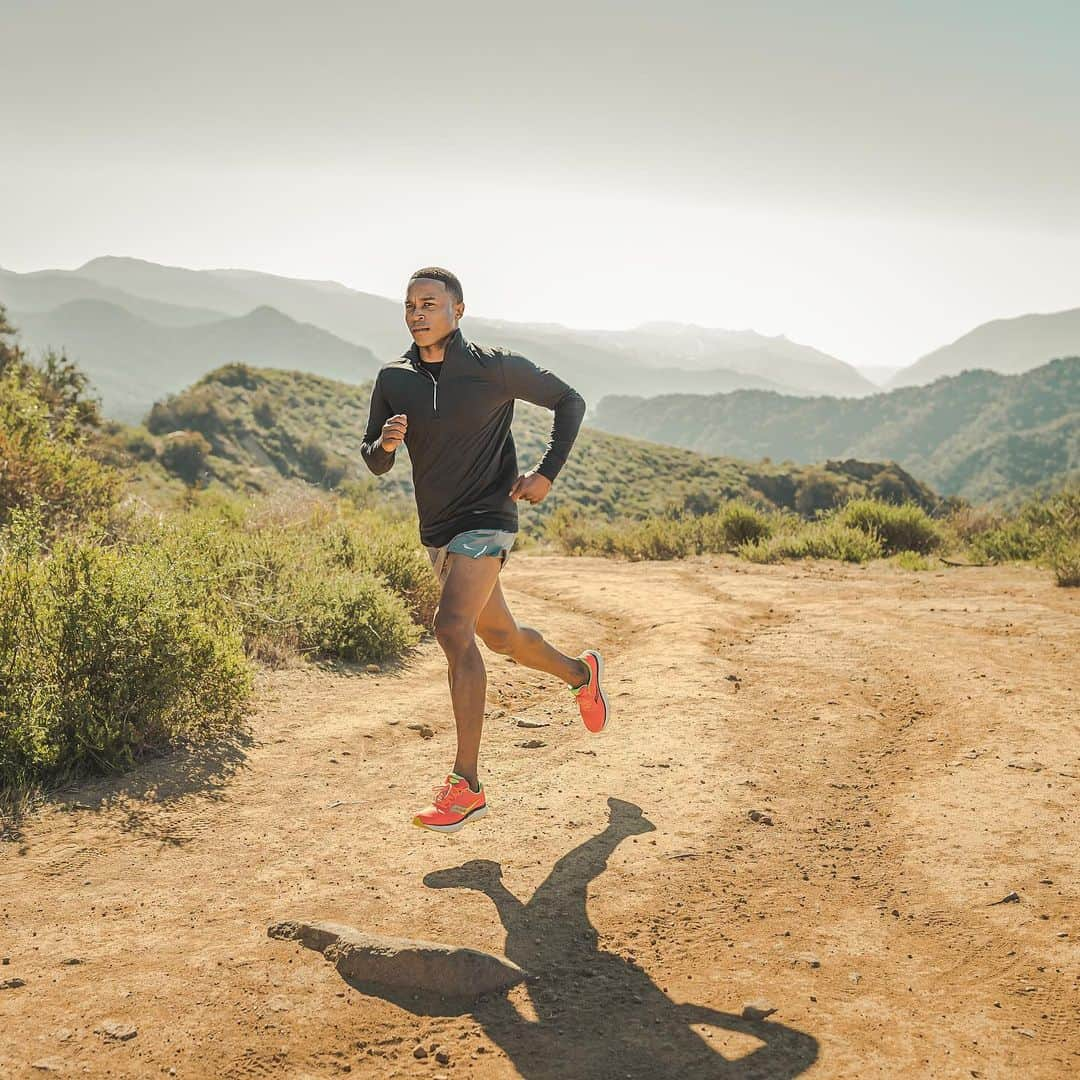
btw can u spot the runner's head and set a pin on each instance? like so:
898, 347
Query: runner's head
433, 305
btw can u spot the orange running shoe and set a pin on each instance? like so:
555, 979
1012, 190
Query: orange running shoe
592, 702
454, 804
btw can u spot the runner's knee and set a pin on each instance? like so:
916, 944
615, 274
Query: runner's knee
454, 632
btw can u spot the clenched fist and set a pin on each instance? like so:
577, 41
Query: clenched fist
393, 432
530, 486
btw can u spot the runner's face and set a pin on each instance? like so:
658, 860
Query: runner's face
430, 312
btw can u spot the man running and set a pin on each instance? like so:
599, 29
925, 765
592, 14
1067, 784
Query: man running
451, 402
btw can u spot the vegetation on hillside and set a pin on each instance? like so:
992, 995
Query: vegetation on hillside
977, 435
1046, 532
262, 425
122, 631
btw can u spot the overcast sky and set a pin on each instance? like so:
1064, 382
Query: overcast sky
873, 178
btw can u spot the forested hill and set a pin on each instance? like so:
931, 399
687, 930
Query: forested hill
979, 435
264, 424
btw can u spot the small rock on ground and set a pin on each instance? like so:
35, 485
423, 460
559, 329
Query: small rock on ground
757, 815
758, 1009
114, 1029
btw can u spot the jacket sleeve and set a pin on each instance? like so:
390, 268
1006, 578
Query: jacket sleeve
375, 457
524, 380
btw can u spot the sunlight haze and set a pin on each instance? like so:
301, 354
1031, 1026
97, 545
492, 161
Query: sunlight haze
873, 180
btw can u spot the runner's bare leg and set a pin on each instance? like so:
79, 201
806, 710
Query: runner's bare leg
465, 593
501, 633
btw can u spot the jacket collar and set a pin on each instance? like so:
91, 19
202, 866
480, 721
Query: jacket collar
454, 344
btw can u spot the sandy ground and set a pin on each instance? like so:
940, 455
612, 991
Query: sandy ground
913, 738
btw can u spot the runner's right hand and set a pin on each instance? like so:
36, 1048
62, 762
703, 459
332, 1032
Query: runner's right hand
393, 432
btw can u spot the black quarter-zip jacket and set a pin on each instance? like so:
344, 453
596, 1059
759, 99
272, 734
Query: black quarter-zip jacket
458, 432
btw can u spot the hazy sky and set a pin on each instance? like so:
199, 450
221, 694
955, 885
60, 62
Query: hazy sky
873, 178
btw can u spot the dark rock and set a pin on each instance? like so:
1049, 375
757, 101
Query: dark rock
425, 731
12, 984
757, 815
419, 1053
418, 965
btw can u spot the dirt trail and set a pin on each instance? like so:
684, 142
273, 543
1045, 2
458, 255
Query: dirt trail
913, 738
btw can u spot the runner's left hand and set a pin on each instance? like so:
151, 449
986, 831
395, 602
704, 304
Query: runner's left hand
530, 486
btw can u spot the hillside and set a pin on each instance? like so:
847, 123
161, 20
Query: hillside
133, 361
1008, 346
651, 359
264, 424
978, 435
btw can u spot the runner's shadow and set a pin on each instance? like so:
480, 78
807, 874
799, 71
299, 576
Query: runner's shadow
599, 1015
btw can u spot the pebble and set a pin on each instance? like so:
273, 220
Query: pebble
12, 984
522, 722
758, 1009
425, 731
420, 1053
531, 744
757, 815
807, 959
442, 1057
373, 669
113, 1029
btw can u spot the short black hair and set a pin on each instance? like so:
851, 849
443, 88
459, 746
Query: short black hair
437, 273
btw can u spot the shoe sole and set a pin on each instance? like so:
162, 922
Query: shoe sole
472, 815
600, 688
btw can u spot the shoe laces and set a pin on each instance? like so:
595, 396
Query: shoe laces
441, 794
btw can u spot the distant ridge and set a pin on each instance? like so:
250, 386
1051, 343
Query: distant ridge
1008, 346
980, 435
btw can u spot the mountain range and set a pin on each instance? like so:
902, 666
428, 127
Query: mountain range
980, 435
651, 359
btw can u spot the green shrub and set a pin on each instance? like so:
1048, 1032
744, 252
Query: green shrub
1065, 561
827, 539
284, 567
106, 654
138, 442
731, 527
352, 616
43, 458
1044, 530
263, 408
389, 550
322, 466
1011, 541
184, 454
912, 560
899, 528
